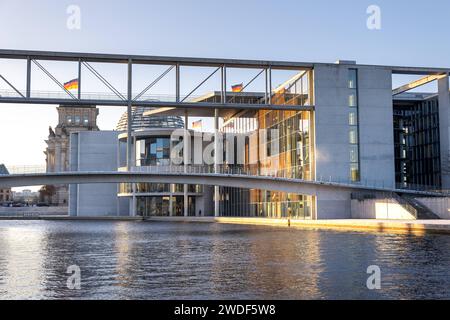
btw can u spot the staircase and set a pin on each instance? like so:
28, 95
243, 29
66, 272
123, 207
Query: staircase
415, 207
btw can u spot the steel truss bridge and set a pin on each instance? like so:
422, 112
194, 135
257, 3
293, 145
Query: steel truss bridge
116, 98
128, 99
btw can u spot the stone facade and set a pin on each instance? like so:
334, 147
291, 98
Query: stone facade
70, 119
5, 193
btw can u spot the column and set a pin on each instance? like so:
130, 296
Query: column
171, 189
186, 161
57, 156
217, 151
129, 117
63, 159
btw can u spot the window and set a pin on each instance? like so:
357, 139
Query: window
353, 135
354, 171
352, 76
69, 120
353, 117
153, 151
352, 99
353, 125
77, 119
354, 153
85, 120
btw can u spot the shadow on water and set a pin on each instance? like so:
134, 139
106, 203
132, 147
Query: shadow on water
144, 260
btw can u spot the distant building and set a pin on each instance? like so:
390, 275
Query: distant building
70, 119
5, 193
25, 196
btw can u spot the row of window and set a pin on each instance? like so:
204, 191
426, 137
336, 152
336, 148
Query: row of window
353, 124
153, 151
158, 188
77, 120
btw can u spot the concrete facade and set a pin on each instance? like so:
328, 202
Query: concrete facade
440, 206
376, 131
93, 151
387, 208
332, 148
331, 137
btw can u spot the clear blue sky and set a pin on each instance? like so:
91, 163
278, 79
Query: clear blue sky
412, 33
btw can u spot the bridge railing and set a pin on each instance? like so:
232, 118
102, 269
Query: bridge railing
109, 96
285, 173
26, 169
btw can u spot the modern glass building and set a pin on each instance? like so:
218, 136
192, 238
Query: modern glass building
152, 150
340, 125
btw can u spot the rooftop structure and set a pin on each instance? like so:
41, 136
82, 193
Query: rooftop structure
144, 122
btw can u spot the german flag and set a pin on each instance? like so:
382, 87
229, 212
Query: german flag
197, 125
237, 87
72, 84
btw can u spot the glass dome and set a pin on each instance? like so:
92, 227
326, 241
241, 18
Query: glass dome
145, 122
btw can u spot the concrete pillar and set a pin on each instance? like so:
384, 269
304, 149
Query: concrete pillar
63, 159
216, 161
444, 130
133, 200
129, 117
186, 161
57, 157
171, 201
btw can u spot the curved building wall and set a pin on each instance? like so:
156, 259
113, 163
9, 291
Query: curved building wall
152, 149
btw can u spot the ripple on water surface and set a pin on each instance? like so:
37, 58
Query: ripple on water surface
149, 260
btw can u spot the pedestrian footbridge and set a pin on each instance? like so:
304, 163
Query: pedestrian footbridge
237, 180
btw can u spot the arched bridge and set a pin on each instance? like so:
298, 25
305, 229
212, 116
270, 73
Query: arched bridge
289, 185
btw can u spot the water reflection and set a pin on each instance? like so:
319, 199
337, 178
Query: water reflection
143, 260
21, 263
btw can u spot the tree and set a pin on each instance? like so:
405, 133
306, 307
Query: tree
46, 193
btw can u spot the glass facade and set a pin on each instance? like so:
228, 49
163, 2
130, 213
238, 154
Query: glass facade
417, 144
147, 206
353, 125
264, 204
291, 157
142, 122
153, 151
155, 199
279, 144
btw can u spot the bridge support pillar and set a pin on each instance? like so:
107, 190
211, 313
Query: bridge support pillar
129, 118
186, 161
171, 200
216, 161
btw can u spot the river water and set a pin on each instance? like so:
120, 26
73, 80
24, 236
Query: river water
157, 260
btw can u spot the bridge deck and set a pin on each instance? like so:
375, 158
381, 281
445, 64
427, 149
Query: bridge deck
214, 179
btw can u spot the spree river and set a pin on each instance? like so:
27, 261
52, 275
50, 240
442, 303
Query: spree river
157, 260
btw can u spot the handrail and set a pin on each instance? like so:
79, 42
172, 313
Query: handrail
287, 173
